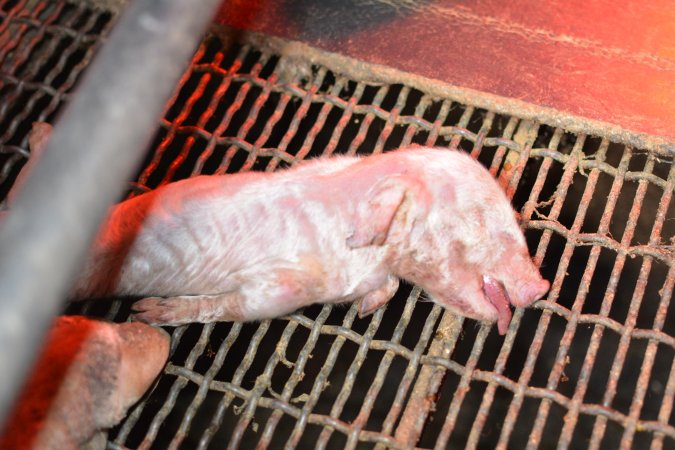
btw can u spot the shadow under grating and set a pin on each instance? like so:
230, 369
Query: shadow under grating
591, 366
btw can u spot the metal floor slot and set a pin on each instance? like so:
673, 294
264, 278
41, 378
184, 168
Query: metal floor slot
590, 366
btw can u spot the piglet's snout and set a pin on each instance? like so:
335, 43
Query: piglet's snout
531, 292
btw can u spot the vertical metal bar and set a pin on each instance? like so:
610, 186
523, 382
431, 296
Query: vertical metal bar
572, 414
669, 392
176, 388
225, 402
538, 340
391, 119
367, 405
570, 329
161, 148
262, 383
295, 377
411, 131
350, 379
344, 120
203, 390
251, 116
631, 318
463, 388
321, 381
105, 130
650, 352
367, 120
463, 122
482, 133
429, 381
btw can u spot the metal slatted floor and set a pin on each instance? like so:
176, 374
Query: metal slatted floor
591, 366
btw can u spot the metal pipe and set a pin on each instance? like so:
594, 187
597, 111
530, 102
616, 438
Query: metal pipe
99, 141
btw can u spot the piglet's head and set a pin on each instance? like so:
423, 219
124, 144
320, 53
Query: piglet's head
482, 260
453, 232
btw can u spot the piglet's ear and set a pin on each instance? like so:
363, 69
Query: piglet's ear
387, 202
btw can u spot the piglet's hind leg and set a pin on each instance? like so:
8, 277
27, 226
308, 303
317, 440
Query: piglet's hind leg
180, 310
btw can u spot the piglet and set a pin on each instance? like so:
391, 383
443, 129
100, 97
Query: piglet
86, 377
254, 246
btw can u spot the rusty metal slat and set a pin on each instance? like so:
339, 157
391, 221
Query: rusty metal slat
428, 382
33, 66
242, 92
346, 116
210, 374
591, 355
386, 361
62, 94
290, 410
537, 341
391, 120
434, 131
669, 392
159, 152
300, 113
57, 95
463, 122
411, 131
295, 377
485, 128
650, 354
226, 400
176, 387
262, 383
368, 119
462, 389
458, 132
250, 119
572, 414
571, 166
571, 325
321, 381
203, 118
346, 388
319, 123
208, 113
618, 363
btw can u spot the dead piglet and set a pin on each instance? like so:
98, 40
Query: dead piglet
257, 246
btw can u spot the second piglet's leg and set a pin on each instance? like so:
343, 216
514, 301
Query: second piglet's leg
379, 297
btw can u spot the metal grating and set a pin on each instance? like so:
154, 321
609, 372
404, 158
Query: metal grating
592, 366
44, 47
